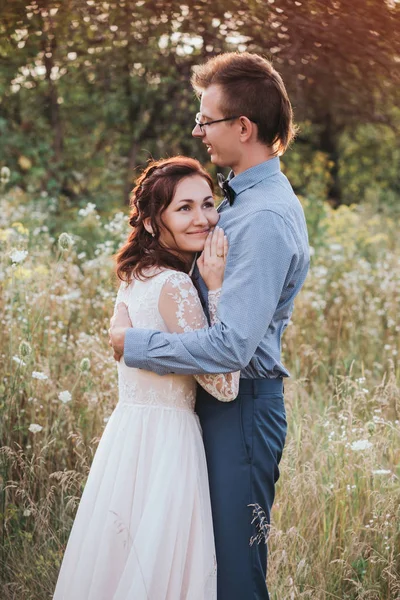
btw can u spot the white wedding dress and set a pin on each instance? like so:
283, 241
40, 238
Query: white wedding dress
143, 529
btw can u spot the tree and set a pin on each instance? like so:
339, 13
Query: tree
92, 89
339, 60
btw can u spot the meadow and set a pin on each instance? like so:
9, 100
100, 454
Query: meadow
335, 529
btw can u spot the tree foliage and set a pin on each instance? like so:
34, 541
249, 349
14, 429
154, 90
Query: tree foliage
89, 90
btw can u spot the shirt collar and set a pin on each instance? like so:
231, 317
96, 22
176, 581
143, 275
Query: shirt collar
254, 175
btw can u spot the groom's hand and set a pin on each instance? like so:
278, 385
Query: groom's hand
119, 323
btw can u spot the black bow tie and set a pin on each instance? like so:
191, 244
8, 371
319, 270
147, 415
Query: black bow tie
226, 188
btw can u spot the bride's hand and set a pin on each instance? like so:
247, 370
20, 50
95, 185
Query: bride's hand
212, 260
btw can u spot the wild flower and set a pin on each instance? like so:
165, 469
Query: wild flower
35, 428
27, 512
39, 375
20, 228
85, 365
21, 273
24, 349
89, 209
17, 256
65, 396
19, 361
65, 241
5, 175
41, 270
74, 295
359, 445
381, 472
118, 224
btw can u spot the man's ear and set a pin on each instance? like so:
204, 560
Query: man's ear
147, 225
246, 128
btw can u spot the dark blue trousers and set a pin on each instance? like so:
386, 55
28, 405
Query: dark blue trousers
243, 440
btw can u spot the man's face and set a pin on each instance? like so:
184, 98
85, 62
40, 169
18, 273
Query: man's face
221, 139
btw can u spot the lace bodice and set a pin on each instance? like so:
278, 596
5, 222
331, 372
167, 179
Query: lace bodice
168, 301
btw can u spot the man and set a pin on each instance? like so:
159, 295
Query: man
246, 122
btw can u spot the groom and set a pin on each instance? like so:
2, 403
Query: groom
245, 122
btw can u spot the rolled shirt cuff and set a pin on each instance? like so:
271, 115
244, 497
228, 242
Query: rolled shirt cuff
136, 348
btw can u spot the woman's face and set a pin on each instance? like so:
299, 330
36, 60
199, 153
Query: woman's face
189, 217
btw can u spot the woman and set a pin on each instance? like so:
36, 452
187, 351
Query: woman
143, 530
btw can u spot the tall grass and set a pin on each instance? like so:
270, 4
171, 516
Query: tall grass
335, 525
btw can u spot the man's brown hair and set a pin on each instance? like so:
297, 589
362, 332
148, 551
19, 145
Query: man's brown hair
252, 88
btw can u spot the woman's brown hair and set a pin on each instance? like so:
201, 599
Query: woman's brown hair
152, 194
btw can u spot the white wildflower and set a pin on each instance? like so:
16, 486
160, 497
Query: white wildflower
35, 428
85, 364
65, 396
381, 472
359, 445
19, 361
118, 223
65, 241
17, 256
5, 175
88, 210
336, 247
39, 375
74, 295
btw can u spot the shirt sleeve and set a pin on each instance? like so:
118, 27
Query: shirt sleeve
181, 310
262, 258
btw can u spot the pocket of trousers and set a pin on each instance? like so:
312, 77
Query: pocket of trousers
246, 423
271, 417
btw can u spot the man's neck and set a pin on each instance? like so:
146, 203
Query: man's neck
252, 157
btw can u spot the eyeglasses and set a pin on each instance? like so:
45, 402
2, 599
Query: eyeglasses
202, 125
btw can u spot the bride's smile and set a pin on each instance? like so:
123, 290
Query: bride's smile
189, 217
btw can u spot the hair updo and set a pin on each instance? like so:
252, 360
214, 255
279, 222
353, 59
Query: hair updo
152, 194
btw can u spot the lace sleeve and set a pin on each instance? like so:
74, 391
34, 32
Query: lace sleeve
213, 300
181, 310
231, 380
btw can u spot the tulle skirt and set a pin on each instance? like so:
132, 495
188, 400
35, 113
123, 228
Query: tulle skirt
143, 529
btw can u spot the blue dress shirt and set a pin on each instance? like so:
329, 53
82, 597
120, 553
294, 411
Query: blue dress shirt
267, 264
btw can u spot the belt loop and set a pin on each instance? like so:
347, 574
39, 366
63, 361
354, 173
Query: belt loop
255, 390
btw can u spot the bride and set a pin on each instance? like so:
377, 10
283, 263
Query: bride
143, 529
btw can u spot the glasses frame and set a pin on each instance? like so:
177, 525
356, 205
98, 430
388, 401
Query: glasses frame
201, 125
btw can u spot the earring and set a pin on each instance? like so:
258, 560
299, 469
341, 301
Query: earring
153, 235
